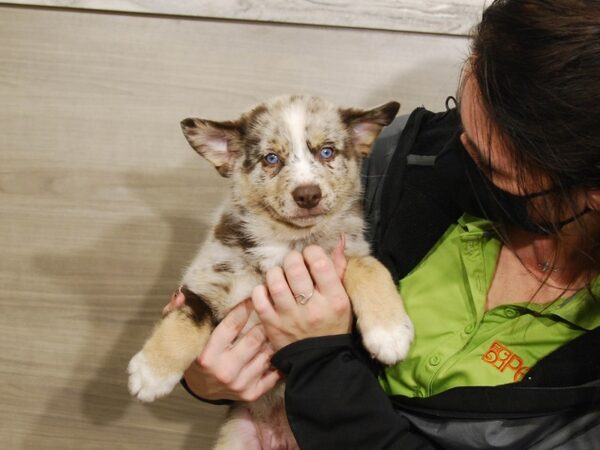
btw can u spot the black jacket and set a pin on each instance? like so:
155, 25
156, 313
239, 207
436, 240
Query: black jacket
333, 399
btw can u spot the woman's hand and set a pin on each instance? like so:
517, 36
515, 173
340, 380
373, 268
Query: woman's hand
310, 274
228, 367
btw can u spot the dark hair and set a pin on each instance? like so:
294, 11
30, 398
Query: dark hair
537, 67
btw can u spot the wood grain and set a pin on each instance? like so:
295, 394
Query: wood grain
102, 202
425, 16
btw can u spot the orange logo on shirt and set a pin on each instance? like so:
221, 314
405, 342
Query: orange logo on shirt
502, 358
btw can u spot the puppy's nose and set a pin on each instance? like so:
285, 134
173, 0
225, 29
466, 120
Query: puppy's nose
307, 196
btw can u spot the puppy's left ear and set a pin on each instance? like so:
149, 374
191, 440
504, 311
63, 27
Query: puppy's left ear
218, 142
365, 126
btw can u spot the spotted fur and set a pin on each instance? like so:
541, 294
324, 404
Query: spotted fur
294, 168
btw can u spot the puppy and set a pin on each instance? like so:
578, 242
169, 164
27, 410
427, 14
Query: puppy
294, 164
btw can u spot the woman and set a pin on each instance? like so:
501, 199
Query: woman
490, 224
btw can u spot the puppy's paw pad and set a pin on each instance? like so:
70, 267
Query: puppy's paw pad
144, 383
389, 345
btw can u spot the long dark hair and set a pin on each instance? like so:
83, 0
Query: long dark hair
537, 64
537, 67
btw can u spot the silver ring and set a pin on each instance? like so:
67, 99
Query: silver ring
302, 299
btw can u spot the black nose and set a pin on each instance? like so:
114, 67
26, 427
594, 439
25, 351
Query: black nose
307, 196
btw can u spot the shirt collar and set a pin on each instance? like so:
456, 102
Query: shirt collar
472, 224
582, 309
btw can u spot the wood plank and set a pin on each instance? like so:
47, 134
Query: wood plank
425, 16
102, 202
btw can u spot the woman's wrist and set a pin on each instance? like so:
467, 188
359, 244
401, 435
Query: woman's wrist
285, 356
190, 391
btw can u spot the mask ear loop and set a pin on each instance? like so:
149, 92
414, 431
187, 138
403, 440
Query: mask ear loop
559, 225
548, 227
452, 99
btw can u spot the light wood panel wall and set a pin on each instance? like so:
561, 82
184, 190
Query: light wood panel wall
102, 202
455, 17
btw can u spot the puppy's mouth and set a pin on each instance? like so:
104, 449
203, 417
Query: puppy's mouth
303, 218
309, 213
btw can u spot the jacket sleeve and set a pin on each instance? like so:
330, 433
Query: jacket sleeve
333, 399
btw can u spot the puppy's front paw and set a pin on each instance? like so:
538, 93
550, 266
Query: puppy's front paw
388, 345
145, 383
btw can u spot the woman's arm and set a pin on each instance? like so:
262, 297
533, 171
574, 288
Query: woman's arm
333, 400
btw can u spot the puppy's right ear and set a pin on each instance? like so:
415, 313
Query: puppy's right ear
218, 142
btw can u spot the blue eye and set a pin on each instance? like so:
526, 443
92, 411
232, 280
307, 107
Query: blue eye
326, 153
272, 159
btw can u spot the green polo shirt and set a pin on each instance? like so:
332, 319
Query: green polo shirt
458, 343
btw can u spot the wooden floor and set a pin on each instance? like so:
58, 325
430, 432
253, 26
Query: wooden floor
102, 202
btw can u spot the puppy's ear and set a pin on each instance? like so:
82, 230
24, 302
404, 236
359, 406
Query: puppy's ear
365, 126
218, 142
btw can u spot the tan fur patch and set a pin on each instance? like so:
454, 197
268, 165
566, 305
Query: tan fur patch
372, 290
176, 342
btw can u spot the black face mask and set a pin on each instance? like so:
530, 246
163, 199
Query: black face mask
487, 200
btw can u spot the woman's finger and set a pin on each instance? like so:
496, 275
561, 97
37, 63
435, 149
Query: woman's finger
323, 272
297, 275
227, 330
177, 300
339, 258
263, 306
267, 382
279, 290
247, 347
252, 372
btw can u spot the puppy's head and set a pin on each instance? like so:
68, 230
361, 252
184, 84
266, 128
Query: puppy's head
295, 159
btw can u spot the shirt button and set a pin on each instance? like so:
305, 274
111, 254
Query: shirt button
435, 360
419, 392
510, 313
469, 328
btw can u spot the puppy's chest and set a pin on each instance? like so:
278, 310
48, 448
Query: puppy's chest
231, 264
265, 256
271, 247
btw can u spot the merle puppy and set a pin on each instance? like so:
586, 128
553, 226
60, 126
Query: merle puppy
294, 167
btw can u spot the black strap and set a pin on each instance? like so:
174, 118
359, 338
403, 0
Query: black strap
394, 178
196, 396
503, 402
415, 193
374, 171
565, 380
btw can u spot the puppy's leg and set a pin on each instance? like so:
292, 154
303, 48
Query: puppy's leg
174, 344
238, 432
261, 425
384, 325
